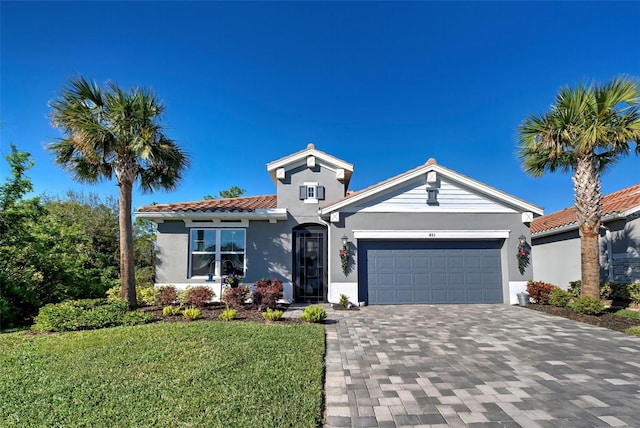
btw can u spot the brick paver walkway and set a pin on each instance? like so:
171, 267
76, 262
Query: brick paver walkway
477, 366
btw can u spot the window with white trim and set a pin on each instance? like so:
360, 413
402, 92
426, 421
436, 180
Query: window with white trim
311, 192
218, 252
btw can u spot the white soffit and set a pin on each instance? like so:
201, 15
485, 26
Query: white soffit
431, 234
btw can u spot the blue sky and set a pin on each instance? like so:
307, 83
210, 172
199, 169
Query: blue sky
385, 86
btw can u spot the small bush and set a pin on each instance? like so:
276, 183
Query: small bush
235, 297
314, 313
228, 315
575, 288
633, 331
146, 296
608, 290
80, 315
137, 317
559, 297
344, 300
272, 315
539, 292
170, 311
196, 296
267, 293
634, 292
191, 314
167, 294
588, 306
114, 293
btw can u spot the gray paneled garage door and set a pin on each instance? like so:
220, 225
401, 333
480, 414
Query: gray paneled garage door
399, 272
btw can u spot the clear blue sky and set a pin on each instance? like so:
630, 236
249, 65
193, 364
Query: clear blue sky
385, 86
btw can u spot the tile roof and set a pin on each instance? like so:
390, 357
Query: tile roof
613, 203
244, 204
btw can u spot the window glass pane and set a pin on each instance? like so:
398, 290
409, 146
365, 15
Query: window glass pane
311, 192
232, 263
232, 240
203, 240
202, 264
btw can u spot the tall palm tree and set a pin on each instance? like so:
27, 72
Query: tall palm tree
586, 131
109, 131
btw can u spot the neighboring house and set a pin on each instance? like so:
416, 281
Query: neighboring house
429, 235
556, 241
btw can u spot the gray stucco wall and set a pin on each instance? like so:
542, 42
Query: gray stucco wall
268, 252
428, 221
556, 260
288, 190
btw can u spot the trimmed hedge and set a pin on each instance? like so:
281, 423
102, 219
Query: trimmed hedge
87, 314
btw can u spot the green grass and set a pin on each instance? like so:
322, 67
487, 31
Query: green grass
627, 313
633, 331
166, 374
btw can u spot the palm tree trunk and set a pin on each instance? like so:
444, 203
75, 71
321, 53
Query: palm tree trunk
588, 205
127, 270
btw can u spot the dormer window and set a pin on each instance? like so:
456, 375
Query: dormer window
311, 193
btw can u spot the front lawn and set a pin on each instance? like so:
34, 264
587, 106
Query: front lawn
165, 374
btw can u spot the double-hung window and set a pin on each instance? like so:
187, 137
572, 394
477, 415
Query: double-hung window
217, 251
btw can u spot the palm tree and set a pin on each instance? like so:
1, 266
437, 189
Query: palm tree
586, 131
110, 131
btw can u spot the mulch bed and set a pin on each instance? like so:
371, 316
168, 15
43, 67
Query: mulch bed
211, 312
607, 320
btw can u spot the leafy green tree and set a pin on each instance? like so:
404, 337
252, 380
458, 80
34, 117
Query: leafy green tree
231, 192
144, 249
112, 132
17, 294
587, 129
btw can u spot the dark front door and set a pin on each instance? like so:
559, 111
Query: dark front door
310, 261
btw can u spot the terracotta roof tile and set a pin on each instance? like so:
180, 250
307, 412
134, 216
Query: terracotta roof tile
245, 204
616, 202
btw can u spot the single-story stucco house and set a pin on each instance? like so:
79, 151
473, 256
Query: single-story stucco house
556, 242
429, 235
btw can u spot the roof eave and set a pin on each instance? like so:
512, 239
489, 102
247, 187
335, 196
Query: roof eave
258, 214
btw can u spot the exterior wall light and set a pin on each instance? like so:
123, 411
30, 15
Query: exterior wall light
345, 241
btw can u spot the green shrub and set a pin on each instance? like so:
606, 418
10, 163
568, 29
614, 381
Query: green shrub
114, 293
80, 315
634, 292
228, 314
314, 313
559, 297
146, 296
169, 311
539, 291
272, 315
344, 300
575, 288
191, 314
167, 294
588, 306
633, 331
137, 317
235, 298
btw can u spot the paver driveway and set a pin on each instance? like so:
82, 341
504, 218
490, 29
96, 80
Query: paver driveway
477, 366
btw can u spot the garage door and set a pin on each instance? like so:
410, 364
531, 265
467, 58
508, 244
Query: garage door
396, 272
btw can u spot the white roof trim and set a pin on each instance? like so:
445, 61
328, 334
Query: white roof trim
258, 214
431, 234
302, 157
525, 206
